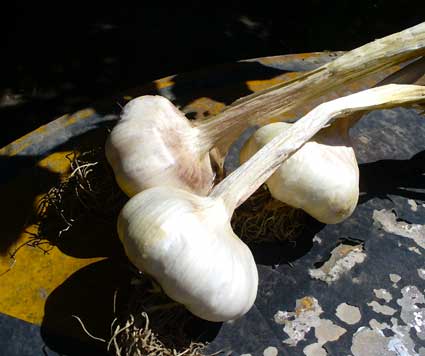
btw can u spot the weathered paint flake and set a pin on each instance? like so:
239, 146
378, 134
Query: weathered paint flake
305, 317
383, 294
270, 351
348, 313
343, 258
381, 309
415, 250
413, 204
314, 350
395, 278
388, 222
328, 331
376, 325
299, 323
421, 272
411, 313
367, 342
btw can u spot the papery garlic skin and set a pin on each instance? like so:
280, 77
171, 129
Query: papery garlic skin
186, 243
155, 144
321, 178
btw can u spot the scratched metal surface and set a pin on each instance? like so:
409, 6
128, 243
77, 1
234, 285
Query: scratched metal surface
41, 291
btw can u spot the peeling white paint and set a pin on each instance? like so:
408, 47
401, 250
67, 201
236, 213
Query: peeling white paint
421, 273
305, 317
382, 309
328, 331
314, 350
402, 333
270, 351
299, 323
415, 250
383, 294
348, 313
367, 342
411, 313
388, 221
343, 258
395, 278
413, 204
396, 345
374, 324
317, 239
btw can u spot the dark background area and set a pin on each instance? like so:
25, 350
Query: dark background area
62, 58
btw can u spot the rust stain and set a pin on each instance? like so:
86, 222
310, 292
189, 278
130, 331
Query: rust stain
305, 304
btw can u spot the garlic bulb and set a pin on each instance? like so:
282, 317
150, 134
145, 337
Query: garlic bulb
187, 244
155, 144
185, 241
321, 178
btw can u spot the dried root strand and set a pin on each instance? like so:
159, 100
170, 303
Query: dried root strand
262, 218
152, 325
90, 191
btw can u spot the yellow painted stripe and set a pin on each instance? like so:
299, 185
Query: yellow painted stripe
34, 275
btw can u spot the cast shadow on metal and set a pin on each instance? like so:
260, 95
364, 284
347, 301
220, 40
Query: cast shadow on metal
404, 178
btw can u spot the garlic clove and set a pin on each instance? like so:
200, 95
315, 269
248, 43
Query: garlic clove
321, 178
155, 144
187, 244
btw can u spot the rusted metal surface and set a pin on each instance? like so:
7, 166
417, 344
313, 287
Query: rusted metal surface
47, 288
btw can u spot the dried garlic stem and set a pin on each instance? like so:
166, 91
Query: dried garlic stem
259, 107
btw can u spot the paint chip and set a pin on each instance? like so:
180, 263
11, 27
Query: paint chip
317, 239
383, 294
305, 317
369, 342
415, 250
326, 331
314, 350
270, 351
421, 272
412, 204
374, 324
343, 258
349, 314
388, 222
299, 323
381, 309
395, 278
411, 313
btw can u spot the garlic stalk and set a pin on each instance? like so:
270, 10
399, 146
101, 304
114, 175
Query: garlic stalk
322, 177
154, 143
185, 241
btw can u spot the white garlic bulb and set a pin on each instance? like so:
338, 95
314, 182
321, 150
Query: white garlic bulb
321, 178
187, 244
